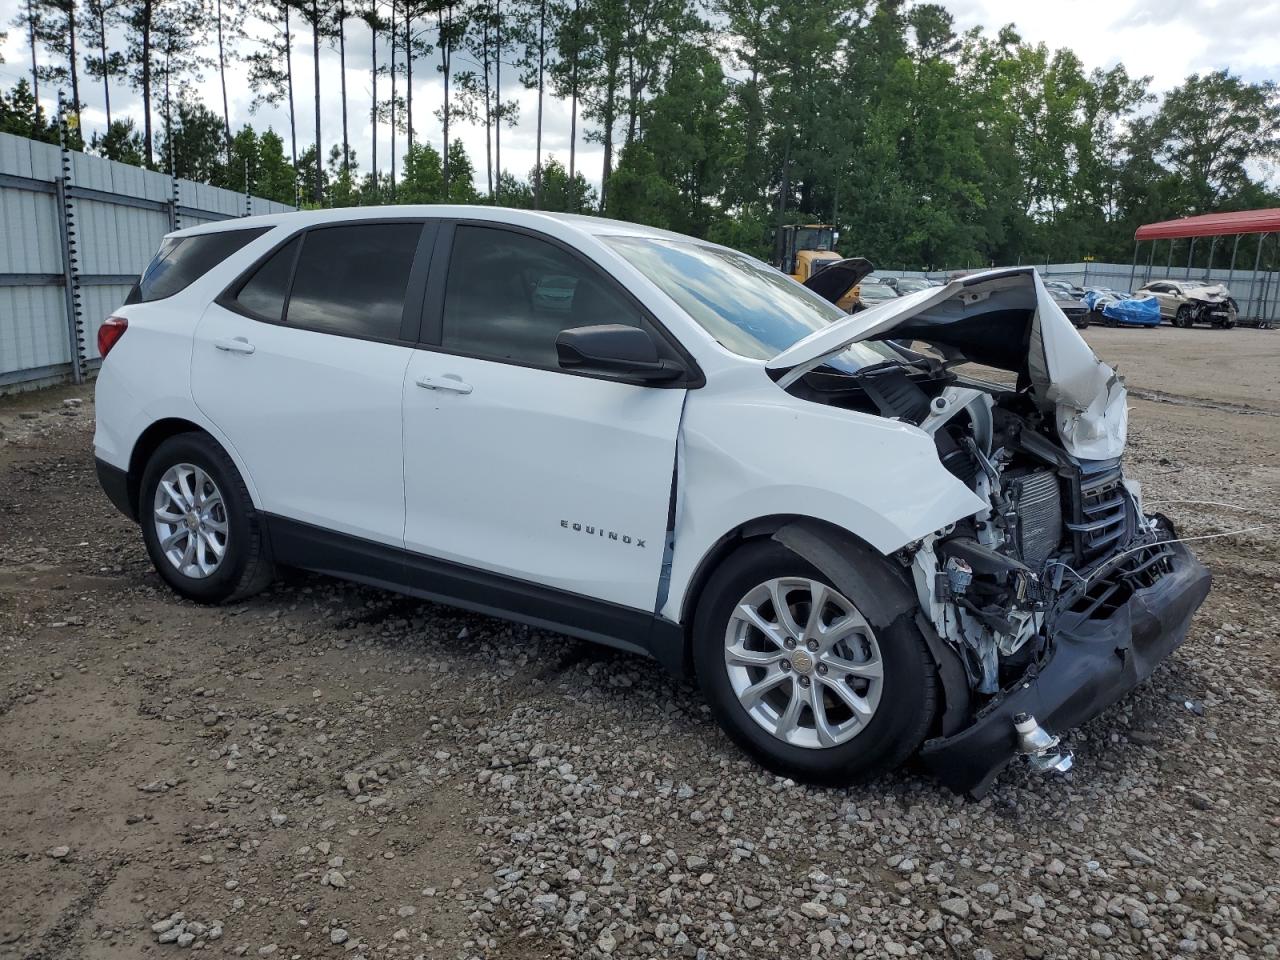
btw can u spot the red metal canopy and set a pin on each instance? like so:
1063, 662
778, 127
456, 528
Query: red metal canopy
1212, 225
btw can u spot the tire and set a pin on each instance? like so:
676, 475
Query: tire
903, 704
194, 462
1183, 318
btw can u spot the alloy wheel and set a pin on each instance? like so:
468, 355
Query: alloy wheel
190, 519
803, 662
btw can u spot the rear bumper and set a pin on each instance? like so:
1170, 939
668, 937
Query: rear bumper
115, 484
1092, 664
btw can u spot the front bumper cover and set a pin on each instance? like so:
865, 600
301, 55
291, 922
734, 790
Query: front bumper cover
1091, 665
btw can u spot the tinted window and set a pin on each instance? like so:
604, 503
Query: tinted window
264, 293
351, 280
183, 260
509, 295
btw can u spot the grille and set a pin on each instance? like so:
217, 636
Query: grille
1101, 522
1038, 500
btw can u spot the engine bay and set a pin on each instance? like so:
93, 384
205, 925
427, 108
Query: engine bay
1059, 533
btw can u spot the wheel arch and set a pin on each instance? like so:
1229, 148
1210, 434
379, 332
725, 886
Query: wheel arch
836, 552
148, 442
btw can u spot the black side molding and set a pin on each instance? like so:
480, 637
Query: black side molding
309, 547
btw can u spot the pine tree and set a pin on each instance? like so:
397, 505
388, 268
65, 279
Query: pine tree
106, 64
271, 69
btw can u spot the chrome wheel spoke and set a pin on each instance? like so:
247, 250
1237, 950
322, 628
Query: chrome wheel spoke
821, 725
175, 495
781, 610
775, 632
171, 541
870, 670
858, 706
190, 520
850, 625
741, 656
789, 717
803, 662
818, 597
753, 694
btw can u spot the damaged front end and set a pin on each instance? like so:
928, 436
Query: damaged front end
1061, 594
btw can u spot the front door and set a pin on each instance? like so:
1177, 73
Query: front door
302, 368
515, 467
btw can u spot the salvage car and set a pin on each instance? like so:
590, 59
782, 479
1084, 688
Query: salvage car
905, 285
1187, 302
1077, 311
859, 551
873, 291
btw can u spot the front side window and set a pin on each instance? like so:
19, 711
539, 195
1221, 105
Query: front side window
181, 261
351, 280
509, 295
750, 308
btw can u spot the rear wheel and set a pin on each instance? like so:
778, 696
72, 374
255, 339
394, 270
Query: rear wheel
199, 524
798, 676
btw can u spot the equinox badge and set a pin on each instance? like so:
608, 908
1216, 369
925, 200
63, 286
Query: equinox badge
593, 531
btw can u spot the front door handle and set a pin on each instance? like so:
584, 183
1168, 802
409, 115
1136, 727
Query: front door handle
235, 345
450, 382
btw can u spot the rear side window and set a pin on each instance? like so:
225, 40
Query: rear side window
264, 293
351, 280
183, 260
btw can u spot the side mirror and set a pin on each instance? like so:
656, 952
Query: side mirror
614, 348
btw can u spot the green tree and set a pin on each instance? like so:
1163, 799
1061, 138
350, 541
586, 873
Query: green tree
193, 145
1208, 132
121, 141
22, 116
423, 179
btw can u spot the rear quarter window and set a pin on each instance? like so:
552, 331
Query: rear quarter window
181, 261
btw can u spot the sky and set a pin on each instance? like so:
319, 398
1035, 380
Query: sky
1167, 40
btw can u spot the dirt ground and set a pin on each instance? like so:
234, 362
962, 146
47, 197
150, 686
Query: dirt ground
328, 770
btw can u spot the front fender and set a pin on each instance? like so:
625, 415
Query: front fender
751, 450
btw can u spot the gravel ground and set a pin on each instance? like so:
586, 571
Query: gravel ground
329, 770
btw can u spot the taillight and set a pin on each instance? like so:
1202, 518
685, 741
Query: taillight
109, 334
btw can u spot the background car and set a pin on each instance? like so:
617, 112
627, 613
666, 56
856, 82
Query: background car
1075, 291
873, 291
1077, 310
905, 285
1188, 302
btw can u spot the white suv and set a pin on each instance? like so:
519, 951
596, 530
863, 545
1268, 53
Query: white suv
663, 445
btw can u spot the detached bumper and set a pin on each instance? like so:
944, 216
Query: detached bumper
1093, 664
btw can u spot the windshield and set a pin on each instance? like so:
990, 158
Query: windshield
907, 285
747, 306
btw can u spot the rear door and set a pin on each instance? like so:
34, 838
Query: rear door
302, 363
514, 466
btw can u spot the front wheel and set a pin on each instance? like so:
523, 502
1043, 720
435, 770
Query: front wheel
198, 523
1184, 317
800, 678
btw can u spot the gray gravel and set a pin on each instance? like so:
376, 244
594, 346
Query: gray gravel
329, 770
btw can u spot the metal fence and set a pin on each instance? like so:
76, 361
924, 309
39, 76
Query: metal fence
75, 233
1257, 294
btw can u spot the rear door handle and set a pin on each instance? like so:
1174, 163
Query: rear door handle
450, 382
235, 345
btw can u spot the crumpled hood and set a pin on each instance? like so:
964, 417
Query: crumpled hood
1214, 294
1004, 319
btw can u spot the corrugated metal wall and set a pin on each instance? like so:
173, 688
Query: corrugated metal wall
114, 218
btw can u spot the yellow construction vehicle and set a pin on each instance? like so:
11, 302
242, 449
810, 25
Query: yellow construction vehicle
801, 250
